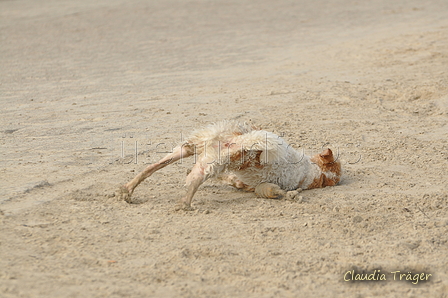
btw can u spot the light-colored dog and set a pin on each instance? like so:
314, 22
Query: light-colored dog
247, 158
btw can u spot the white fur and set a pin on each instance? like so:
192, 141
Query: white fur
246, 158
282, 165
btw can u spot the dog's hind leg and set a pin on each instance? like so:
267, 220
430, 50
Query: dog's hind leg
183, 151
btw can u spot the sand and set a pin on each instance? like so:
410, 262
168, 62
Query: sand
92, 91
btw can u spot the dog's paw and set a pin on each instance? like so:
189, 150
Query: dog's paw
122, 193
294, 196
182, 206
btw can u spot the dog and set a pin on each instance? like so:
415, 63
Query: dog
247, 158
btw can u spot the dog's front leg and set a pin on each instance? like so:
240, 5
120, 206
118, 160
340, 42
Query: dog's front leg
273, 191
269, 191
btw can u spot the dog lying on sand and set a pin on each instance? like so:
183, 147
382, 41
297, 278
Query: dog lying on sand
246, 158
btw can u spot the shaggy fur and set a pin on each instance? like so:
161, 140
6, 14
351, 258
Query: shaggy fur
247, 158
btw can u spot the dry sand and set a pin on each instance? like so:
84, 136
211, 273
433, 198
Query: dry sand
91, 91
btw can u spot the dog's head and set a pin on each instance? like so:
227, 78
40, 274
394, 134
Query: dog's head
329, 166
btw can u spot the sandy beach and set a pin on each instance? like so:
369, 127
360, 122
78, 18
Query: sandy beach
93, 91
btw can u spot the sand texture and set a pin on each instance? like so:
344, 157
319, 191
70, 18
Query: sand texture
93, 91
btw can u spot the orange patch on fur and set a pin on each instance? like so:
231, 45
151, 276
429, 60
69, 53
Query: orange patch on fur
326, 163
317, 182
242, 160
323, 181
